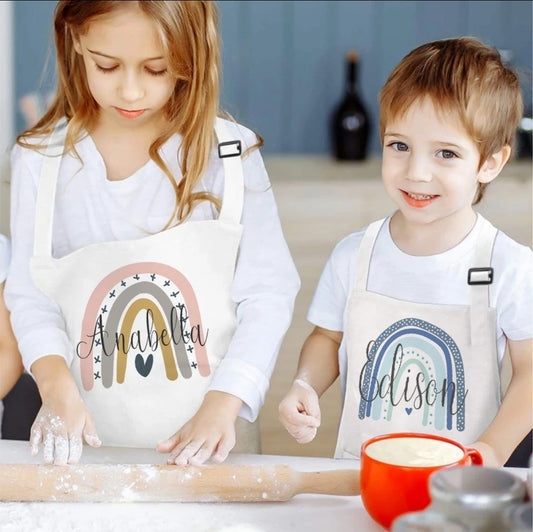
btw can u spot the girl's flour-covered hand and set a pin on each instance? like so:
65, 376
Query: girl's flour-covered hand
210, 433
61, 432
63, 421
299, 411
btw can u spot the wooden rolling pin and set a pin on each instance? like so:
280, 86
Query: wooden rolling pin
164, 483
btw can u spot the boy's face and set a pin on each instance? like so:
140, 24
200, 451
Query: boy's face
126, 67
430, 165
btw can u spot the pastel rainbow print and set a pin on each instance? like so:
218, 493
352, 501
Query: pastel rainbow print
120, 297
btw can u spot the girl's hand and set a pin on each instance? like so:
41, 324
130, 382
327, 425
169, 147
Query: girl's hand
63, 420
299, 411
60, 427
209, 433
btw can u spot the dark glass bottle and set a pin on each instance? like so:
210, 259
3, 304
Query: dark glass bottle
350, 124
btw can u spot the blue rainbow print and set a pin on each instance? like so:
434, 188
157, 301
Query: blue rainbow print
414, 368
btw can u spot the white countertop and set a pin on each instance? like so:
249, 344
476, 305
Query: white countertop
304, 512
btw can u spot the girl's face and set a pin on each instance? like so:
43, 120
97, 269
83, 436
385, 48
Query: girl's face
430, 166
126, 67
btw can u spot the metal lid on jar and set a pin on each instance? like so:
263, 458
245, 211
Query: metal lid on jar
519, 517
428, 521
476, 487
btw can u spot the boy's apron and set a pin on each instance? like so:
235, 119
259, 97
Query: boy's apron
416, 367
149, 319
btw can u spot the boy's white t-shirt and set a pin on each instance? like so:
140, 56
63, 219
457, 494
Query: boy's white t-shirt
437, 279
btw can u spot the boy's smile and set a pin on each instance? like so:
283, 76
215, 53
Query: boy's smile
418, 200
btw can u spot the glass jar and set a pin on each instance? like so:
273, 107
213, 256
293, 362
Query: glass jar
469, 498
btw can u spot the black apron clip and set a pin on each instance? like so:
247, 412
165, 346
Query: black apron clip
231, 148
480, 275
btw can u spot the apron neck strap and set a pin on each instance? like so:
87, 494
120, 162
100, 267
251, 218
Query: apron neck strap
229, 150
46, 193
232, 201
479, 289
365, 253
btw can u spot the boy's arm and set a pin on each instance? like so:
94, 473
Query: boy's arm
318, 367
10, 361
514, 419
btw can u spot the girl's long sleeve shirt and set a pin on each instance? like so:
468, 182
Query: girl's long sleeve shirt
89, 209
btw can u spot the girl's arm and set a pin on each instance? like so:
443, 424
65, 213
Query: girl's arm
514, 419
39, 328
264, 289
10, 361
318, 367
37, 321
265, 286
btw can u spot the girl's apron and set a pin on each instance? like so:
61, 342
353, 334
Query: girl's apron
149, 319
416, 367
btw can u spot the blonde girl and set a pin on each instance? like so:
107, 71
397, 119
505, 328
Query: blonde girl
151, 285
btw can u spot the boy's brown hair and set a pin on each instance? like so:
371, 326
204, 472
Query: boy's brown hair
462, 76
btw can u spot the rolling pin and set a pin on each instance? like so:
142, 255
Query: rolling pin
168, 483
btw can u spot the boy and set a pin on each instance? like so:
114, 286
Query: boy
415, 311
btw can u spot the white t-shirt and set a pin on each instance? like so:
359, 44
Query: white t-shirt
436, 279
90, 209
5, 254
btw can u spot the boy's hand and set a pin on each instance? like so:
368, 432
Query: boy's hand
60, 427
490, 459
210, 433
299, 411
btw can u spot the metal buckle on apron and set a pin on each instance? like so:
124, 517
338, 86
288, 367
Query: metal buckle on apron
231, 148
480, 275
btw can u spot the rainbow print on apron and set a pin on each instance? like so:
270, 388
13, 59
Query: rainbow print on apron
413, 359
170, 321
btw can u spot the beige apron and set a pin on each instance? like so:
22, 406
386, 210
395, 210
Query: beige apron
149, 319
419, 367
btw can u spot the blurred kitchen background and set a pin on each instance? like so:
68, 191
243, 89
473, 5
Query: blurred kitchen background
284, 72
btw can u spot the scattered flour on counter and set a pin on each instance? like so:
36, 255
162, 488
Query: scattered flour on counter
122, 517
238, 528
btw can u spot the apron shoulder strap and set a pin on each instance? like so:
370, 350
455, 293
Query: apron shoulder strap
46, 191
479, 279
229, 150
365, 253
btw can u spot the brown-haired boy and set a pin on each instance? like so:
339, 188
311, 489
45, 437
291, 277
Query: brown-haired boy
415, 311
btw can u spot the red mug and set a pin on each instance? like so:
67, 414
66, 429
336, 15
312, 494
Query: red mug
389, 490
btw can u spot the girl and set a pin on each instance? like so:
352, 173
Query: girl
10, 362
151, 284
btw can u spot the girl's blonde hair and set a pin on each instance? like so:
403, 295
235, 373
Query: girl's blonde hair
190, 38
465, 77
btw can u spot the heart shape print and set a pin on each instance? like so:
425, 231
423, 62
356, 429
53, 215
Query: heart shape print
144, 366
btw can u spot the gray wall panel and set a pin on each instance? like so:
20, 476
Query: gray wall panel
283, 62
